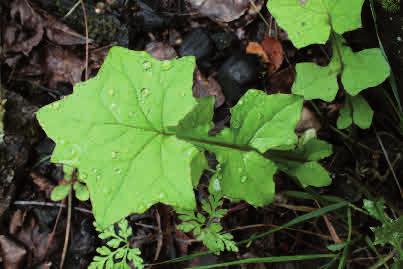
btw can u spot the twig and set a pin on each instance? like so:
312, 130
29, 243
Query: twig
389, 163
86, 38
52, 234
67, 235
37, 203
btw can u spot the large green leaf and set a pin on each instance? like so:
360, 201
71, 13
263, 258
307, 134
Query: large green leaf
358, 71
259, 122
114, 130
311, 21
138, 137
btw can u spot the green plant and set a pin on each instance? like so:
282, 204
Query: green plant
390, 231
70, 182
314, 22
137, 137
117, 253
208, 228
391, 6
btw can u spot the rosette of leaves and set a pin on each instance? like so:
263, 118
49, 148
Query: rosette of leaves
137, 136
117, 253
207, 228
315, 22
391, 230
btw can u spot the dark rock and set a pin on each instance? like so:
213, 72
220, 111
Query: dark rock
237, 74
223, 40
147, 18
197, 43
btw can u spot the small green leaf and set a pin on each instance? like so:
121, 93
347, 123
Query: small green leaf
60, 192
390, 233
311, 21
317, 82
363, 69
336, 247
376, 210
356, 110
358, 71
309, 173
81, 191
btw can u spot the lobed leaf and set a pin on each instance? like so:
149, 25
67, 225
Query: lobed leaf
358, 71
311, 21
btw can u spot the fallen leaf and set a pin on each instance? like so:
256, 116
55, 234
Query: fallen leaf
275, 53
57, 64
203, 87
42, 183
13, 253
257, 49
35, 241
25, 30
308, 120
221, 10
161, 51
282, 81
61, 34
17, 219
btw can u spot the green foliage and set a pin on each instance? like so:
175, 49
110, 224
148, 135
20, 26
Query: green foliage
390, 231
391, 6
138, 137
62, 191
311, 22
302, 162
314, 22
207, 228
117, 253
358, 71
355, 110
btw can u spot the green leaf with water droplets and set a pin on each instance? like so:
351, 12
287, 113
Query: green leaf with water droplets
137, 137
259, 122
311, 21
114, 129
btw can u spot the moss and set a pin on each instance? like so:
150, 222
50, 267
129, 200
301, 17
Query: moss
392, 6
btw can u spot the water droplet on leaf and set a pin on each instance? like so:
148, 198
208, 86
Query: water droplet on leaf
244, 179
114, 154
147, 65
166, 65
216, 184
145, 92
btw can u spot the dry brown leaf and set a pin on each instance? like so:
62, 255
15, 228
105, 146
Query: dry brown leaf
221, 10
42, 183
203, 87
257, 49
275, 53
307, 121
13, 254
35, 241
57, 64
161, 51
25, 30
61, 34
282, 81
17, 219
